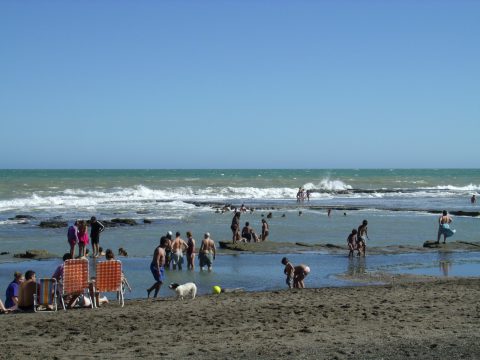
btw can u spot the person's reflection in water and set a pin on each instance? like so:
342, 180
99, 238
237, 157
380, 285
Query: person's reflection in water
356, 266
444, 263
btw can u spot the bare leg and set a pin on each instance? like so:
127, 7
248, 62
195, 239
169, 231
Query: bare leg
72, 251
81, 250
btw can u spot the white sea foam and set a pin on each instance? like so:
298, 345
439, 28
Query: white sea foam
141, 196
470, 187
81, 198
328, 185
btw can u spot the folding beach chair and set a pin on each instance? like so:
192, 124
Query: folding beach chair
75, 278
46, 294
109, 278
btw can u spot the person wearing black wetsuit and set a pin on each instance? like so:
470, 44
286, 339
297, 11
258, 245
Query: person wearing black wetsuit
96, 227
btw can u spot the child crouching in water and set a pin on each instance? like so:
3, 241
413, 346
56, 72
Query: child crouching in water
289, 270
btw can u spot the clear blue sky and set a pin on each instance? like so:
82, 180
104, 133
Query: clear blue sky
239, 84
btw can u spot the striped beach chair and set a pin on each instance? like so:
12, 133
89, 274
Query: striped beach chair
109, 278
46, 294
75, 278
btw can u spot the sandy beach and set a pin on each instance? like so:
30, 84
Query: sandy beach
431, 319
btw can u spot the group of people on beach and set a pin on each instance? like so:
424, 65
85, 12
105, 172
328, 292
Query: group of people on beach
171, 252
303, 194
77, 234
21, 291
247, 234
295, 274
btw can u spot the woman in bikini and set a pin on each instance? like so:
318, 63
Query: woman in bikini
444, 225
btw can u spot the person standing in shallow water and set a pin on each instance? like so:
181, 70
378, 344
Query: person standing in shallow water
352, 242
190, 251
72, 237
207, 252
265, 230
235, 227
362, 236
96, 227
288, 271
157, 267
82, 238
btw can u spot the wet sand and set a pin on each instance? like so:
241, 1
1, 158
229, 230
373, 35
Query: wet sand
435, 319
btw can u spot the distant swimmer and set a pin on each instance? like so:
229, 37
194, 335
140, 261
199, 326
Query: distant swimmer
473, 199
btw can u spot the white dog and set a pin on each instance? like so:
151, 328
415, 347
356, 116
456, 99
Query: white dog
184, 290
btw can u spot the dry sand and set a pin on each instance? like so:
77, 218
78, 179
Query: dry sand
437, 319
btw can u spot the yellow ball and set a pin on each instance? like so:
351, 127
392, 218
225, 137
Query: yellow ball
217, 289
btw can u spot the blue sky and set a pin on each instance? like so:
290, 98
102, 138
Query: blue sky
239, 84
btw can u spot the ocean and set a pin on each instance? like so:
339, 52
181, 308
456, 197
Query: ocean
399, 204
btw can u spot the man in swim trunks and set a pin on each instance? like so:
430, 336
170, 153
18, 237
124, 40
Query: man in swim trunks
207, 252
157, 267
178, 247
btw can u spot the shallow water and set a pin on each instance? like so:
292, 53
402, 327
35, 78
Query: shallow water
166, 198
255, 272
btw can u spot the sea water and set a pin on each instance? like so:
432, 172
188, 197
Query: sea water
396, 203
258, 272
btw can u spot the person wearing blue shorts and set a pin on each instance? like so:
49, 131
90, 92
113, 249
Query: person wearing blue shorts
157, 268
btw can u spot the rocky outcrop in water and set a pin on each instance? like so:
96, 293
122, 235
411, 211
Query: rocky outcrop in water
118, 221
35, 254
22, 217
53, 224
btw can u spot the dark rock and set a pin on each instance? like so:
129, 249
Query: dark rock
53, 224
22, 217
35, 254
119, 221
431, 244
4, 253
332, 246
147, 221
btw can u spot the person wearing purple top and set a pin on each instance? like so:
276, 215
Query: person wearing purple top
72, 237
13, 289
